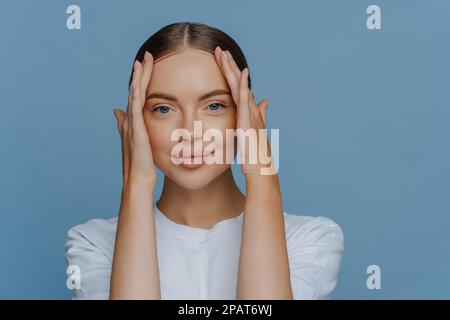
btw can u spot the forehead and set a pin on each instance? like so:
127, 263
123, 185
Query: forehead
190, 70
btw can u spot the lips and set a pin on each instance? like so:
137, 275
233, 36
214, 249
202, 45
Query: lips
192, 156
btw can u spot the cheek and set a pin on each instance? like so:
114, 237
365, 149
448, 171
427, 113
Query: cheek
226, 121
159, 134
227, 142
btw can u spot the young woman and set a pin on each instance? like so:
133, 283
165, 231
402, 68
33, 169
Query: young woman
203, 238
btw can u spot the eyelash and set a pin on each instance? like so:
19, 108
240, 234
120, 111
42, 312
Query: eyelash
157, 108
217, 103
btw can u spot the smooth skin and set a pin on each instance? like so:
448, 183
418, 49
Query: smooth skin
184, 77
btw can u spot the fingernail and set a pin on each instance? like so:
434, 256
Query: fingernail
229, 55
224, 55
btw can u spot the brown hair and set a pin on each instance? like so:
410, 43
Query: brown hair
190, 34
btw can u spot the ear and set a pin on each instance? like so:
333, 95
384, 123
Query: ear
262, 106
120, 117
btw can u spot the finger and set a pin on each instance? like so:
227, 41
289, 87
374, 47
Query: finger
136, 119
126, 151
218, 52
133, 80
218, 55
233, 64
254, 111
252, 97
136, 86
243, 105
252, 104
146, 74
123, 131
230, 76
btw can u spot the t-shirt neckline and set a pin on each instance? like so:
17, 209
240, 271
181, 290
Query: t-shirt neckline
222, 227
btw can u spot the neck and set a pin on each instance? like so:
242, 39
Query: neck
202, 208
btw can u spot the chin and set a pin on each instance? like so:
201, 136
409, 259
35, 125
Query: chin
198, 178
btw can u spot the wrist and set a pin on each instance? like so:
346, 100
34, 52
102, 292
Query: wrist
261, 180
136, 182
138, 187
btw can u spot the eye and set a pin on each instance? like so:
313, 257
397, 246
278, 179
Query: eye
163, 109
216, 106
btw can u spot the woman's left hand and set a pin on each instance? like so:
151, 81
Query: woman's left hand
249, 115
263, 243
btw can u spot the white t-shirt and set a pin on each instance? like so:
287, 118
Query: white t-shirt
197, 263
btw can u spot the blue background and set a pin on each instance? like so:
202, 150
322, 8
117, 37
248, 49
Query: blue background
363, 117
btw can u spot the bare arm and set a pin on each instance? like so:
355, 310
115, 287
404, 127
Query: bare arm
135, 273
263, 265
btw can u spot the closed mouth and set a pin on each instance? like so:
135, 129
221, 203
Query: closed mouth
194, 156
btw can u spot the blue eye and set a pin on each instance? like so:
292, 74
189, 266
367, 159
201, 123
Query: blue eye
164, 109
216, 106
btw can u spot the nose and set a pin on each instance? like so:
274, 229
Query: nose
191, 137
193, 126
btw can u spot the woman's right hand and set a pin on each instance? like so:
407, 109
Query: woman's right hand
137, 159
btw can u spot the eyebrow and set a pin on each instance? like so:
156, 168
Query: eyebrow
169, 97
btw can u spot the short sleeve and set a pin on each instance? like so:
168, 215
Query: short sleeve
85, 249
315, 251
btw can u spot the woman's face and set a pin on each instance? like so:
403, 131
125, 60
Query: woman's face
178, 83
